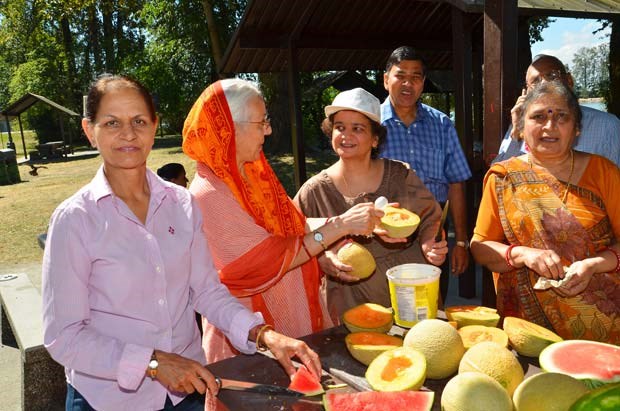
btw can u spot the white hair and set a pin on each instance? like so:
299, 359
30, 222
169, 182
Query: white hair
238, 93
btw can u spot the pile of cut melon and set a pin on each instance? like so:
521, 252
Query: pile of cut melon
476, 358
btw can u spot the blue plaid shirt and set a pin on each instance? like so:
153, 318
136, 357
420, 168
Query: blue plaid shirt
430, 145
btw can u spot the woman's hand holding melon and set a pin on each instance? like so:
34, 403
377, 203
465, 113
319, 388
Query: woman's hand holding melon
361, 219
284, 348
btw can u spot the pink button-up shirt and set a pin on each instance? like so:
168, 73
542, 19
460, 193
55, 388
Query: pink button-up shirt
114, 289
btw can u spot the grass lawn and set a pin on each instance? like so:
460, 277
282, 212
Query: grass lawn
25, 208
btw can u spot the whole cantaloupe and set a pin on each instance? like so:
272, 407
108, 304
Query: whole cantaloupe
492, 359
358, 257
475, 391
548, 391
441, 345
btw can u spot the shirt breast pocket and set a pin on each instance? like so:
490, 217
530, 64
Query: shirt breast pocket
430, 163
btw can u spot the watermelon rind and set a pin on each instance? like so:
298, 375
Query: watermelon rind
605, 398
379, 401
590, 377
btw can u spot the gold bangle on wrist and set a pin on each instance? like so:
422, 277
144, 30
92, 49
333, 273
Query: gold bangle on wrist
262, 346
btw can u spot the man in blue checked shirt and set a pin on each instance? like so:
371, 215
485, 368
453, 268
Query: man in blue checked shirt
426, 139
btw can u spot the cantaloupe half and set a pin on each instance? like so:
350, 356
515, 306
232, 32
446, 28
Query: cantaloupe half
366, 346
474, 334
472, 315
400, 369
368, 317
527, 338
399, 222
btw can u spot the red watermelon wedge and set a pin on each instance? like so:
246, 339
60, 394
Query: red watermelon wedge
594, 363
306, 382
379, 401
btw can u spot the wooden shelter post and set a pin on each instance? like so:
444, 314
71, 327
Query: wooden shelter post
500, 80
462, 67
297, 133
10, 144
21, 132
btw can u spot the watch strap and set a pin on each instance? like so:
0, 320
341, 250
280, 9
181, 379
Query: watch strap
463, 244
153, 364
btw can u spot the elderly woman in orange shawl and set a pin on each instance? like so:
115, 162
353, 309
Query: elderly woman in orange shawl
261, 243
549, 222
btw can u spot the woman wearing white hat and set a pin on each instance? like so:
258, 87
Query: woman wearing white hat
353, 124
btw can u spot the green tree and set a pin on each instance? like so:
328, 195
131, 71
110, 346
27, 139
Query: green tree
590, 70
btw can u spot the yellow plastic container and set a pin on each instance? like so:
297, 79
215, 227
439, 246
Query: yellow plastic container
414, 292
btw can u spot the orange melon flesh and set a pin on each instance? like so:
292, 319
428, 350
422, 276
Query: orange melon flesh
527, 338
474, 334
366, 346
399, 369
368, 317
395, 367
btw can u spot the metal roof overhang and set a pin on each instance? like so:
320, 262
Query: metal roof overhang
29, 99
360, 34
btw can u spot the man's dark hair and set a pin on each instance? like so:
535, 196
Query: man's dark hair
170, 171
556, 61
404, 53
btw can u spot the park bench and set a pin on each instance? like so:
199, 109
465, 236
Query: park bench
43, 380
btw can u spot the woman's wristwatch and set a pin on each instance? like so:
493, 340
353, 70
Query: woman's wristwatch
153, 364
463, 244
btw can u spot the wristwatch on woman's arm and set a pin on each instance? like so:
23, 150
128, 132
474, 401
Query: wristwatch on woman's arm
463, 244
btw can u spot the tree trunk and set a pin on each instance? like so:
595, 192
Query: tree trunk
275, 88
214, 37
93, 35
613, 102
107, 9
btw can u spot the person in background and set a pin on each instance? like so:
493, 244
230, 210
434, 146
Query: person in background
549, 223
262, 245
173, 172
426, 139
600, 131
124, 268
352, 124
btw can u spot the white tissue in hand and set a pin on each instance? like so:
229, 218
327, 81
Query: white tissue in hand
381, 202
544, 283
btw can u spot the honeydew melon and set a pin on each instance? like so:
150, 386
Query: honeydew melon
474, 334
495, 361
441, 345
399, 222
358, 257
527, 338
368, 317
366, 346
471, 391
400, 369
548, 392
472, 315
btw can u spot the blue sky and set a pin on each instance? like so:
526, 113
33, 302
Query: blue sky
565, 36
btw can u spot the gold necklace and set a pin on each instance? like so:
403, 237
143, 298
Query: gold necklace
347, 186
570, 176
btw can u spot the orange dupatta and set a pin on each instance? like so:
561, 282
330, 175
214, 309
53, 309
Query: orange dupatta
209, 138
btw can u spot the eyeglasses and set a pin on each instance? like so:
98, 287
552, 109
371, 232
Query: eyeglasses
266, 123
550, 76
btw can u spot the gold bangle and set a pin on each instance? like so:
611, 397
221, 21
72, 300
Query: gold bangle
259, 346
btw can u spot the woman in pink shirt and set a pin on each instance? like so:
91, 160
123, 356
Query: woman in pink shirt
126, 266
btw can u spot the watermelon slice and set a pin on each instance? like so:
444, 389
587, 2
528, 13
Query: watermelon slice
594, 363
379, 401
305, 382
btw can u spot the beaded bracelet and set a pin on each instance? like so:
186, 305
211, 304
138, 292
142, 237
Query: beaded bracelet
303, 244
507, 256
262, 346
617, 269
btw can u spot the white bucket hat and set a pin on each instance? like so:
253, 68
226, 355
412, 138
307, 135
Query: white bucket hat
358, 100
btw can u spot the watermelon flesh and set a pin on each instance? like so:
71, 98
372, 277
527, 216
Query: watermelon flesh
305, 382
594, 362
379, 401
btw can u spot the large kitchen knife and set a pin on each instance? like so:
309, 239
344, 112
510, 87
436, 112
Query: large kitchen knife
442, 221
235, 385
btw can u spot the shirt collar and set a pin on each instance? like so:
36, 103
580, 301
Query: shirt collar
159, 188
388, 112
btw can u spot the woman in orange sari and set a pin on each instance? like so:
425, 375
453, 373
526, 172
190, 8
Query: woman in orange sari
548, 225
261, 243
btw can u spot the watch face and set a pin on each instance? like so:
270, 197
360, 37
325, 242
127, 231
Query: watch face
153, 364
318, 236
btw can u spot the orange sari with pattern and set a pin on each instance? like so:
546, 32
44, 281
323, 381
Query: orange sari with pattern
532, 214
253, 228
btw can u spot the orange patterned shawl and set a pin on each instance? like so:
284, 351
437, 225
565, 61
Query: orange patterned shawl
209, 138
532, 214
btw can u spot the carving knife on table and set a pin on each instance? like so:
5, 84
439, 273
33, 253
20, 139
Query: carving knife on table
235, 385
442, 221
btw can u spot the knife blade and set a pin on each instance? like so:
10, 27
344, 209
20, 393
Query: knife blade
235, 385
442, 221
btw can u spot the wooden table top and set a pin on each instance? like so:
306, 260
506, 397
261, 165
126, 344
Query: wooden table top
330, 346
